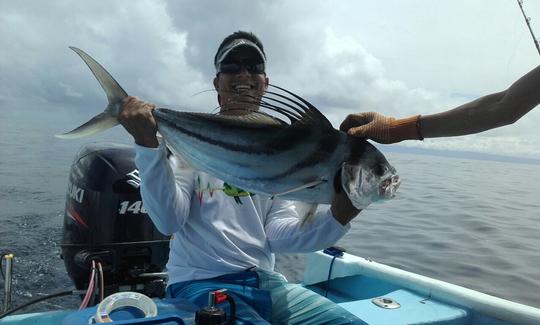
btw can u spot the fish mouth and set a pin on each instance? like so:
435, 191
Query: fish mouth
389, 186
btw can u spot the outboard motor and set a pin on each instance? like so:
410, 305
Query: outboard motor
105, 221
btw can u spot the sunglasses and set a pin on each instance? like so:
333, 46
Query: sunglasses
236, 67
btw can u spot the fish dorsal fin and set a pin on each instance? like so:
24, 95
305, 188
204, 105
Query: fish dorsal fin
294, 107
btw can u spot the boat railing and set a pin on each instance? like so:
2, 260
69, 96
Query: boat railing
8, 258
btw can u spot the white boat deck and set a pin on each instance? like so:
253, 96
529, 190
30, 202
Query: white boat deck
355, 281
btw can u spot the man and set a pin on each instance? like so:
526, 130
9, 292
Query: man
221, 241
487, 112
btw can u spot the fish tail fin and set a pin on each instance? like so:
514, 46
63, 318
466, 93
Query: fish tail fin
114, 92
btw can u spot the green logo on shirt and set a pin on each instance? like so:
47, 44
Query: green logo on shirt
229, 190
235, 192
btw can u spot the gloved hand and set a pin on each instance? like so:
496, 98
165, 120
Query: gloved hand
382, 129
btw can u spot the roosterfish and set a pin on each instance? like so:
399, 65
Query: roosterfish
303, 159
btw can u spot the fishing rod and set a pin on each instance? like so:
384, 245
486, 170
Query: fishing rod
527, 21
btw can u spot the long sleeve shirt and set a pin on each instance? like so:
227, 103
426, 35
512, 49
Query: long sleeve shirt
217, 229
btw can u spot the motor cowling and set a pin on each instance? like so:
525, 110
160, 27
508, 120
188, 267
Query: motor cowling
105, 221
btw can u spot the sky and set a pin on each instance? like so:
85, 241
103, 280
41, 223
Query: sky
399, 58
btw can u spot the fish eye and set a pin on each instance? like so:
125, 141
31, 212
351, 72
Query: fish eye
381, 169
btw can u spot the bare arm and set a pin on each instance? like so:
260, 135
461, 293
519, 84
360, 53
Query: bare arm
487, 112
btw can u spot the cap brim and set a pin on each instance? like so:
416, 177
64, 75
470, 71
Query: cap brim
236, 44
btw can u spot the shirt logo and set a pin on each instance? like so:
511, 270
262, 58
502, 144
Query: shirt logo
227, 189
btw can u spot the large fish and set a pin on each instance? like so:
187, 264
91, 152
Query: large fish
305, 159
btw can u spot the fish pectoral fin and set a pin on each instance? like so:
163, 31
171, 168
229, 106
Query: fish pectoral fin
309, 214
301, 187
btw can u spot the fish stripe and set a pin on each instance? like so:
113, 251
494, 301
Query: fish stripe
280, 139
323, 152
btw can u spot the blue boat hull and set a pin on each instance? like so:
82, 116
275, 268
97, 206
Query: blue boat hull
367, 289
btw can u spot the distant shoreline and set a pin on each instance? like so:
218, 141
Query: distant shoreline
460, 154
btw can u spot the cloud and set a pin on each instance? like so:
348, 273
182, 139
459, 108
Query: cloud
135, 41
339, 76
344, 57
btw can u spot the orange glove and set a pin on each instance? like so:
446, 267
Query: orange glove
382, 129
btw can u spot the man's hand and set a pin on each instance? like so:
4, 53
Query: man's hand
136, 117
342, 209
382, 129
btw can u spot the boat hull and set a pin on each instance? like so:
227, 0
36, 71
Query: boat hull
365, 288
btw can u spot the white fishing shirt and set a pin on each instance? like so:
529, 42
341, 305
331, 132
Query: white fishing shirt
214, 233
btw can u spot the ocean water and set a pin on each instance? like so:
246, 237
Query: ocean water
473, 223
469, 222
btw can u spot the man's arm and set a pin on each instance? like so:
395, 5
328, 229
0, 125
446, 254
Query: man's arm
482, 114
287, 234
488, 112
166, 193
165, 189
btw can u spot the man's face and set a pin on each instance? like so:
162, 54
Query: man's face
238, 89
